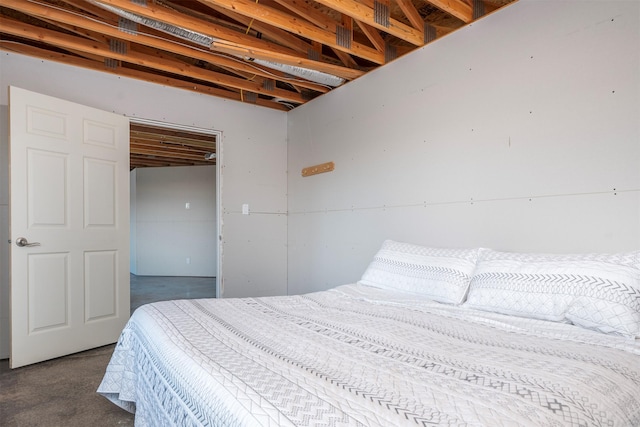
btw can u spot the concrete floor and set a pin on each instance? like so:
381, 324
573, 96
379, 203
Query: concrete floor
146, 289
61, 392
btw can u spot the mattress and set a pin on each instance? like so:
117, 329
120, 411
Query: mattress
362, 356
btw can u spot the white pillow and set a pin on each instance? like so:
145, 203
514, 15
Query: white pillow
440, 274
595, 291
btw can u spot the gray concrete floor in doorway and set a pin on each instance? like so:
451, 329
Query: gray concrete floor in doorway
146, 289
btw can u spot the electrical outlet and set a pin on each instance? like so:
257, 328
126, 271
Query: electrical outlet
187, 205
188, 260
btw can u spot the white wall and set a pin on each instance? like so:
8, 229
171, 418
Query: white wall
519, 132
254, 253
252, 158
172, 240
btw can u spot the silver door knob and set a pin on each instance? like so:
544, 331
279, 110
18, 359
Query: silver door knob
23, 242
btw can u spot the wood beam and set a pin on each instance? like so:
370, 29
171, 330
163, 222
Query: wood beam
173, 151
457, 8
233, 42
321, 20
145, 161
165, 134
411, 13
346, 59
289, 23
164, 152
176, 151
131, 73
364, 13
96, 28
281, 36
267, 31
171, 66
303, 9
340, 71
168, 16
372, 34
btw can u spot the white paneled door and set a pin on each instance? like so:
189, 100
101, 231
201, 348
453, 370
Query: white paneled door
69, 226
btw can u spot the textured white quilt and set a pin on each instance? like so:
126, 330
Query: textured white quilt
362, 356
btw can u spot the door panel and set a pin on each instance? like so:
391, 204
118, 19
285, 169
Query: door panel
70, 195
100, 284
100, 207
48, 285
46, 123
47, 188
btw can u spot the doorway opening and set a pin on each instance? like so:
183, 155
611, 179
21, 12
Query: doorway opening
175, 211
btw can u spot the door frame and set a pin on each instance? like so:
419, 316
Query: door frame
219, 226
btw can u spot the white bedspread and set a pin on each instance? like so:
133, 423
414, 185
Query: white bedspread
361, 356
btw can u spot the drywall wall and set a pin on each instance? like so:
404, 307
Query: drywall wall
252, 157
519, 132
175, 216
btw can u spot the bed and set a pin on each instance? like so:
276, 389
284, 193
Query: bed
428, 336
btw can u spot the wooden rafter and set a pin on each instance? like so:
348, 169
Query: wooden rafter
366, 14
68, 19
307, 12
372, 34
127, 72
168, 16
284, 21
411, 13
286, 39
457, 8
166, 64
233, 42
160, 146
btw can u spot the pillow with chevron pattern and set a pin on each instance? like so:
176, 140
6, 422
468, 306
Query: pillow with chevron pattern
594, 291
439, 274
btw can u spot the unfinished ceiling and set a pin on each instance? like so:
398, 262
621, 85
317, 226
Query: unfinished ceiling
273, 53
155, 146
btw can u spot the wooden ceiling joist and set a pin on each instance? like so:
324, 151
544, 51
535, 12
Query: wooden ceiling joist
164, 152
411, 13
173, 137
373, 35
152, 146
70, 19
150, 160
458, 8
167, 65
232, 42
283, 21
367, 15
288, 40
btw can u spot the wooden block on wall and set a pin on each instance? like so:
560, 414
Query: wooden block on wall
321, 168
